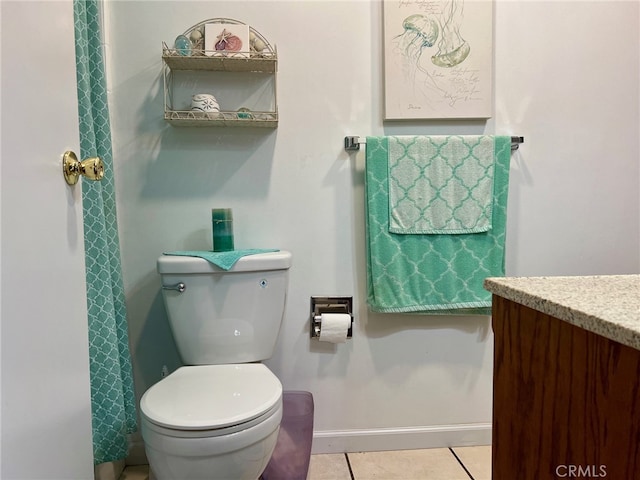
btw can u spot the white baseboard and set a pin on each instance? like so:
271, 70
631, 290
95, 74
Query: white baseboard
374, 440
403, 438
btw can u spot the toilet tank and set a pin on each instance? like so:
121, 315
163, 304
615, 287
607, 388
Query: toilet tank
225, 316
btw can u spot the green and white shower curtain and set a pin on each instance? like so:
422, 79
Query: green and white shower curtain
112, 395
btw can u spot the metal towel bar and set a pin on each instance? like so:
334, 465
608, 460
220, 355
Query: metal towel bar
354, 142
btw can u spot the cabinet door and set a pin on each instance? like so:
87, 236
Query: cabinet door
566, 401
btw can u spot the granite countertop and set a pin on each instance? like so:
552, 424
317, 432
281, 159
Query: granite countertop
608, 305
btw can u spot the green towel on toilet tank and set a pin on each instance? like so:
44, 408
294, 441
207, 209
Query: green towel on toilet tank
431, 273
224, 260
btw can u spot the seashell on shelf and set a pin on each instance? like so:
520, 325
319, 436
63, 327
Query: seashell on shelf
258, 45
196, 36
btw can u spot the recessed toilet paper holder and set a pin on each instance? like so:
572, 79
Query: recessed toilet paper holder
320, 305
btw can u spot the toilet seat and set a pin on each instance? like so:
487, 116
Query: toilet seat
212, 400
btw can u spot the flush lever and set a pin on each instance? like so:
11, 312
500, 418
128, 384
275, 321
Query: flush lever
178, 287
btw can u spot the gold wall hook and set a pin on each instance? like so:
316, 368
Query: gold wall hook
91, 168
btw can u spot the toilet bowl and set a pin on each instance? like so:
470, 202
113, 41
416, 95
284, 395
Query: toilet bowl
212, 422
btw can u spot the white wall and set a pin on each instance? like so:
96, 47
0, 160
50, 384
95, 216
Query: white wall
566, 78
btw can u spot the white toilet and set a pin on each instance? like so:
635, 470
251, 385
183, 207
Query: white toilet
219, 417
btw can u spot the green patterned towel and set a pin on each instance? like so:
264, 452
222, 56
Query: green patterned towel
440, 184
224, 260
431, 274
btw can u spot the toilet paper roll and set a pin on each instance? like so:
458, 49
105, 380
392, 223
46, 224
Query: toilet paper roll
334, 327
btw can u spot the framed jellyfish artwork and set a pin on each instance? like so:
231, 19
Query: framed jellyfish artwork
438, 59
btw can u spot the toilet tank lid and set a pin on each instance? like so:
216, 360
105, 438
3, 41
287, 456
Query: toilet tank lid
280, 260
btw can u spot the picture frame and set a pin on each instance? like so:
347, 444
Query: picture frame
438, 59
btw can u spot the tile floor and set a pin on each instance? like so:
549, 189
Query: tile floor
459, 463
